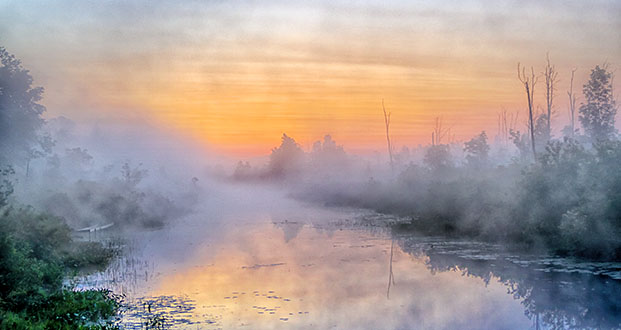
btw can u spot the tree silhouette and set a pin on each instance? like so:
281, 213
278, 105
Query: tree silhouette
438, 157
550, 74
597, 116
20, 112
529, 83
477, 150
328, 155
285, 159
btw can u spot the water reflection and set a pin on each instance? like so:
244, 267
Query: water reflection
315, 269
555, 292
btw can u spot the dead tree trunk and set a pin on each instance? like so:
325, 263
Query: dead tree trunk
529, 86
439, 132
503, 127
572, 103
550, 75
387, 122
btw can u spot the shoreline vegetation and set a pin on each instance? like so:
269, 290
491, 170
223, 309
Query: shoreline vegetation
567, 202
38, 253
48, 189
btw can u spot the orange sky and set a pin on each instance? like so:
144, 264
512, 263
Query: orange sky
238, 74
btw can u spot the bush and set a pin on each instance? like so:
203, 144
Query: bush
36, 251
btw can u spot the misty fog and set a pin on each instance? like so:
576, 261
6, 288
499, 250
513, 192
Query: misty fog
142, 192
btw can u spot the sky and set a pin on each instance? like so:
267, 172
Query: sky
237, 74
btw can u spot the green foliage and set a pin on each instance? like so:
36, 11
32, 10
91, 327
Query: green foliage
67, 310
571, 200
25, 281
36, 251
90, 255
6, 186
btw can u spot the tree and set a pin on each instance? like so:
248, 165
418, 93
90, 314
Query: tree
597, 116
550, 74
529, 85
285, 159
243, 170
521, 143
387, 123
572, 104
78, 160
20, 112
438, 157
43, 146
439, 132
328, 155
477, 150
6, 185
542, 134
132, 176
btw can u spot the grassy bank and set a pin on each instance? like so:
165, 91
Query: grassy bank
36, 253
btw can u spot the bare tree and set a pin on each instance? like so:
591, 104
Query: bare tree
503, 127
438, 132
572, 103
550, 75
507, 122
387, 122
513, 120
529, 86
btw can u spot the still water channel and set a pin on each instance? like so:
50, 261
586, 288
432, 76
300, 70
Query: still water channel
290, 265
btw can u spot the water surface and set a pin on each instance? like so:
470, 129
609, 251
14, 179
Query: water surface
298, 266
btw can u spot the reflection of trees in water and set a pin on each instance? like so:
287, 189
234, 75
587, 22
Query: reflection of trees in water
372, 223
391, 275
553, 296
290, 228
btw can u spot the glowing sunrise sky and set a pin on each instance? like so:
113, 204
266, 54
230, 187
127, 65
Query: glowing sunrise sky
237, 74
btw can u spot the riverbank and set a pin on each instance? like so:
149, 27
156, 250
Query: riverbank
37, 254
568, 202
